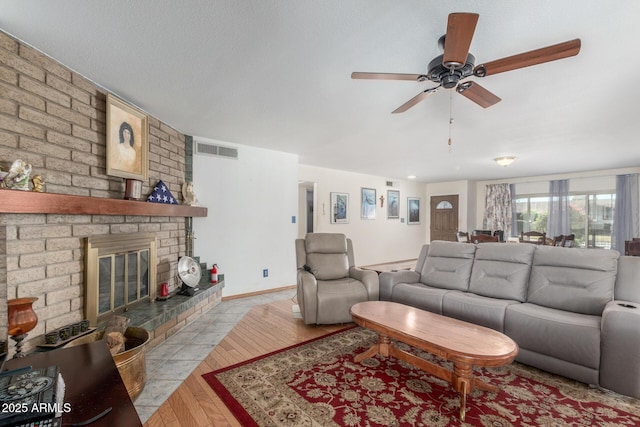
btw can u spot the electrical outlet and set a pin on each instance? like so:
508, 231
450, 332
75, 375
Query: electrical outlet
265, 272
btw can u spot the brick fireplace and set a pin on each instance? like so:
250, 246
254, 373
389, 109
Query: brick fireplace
55, 119
44, 256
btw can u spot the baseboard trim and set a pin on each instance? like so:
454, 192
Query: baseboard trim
266, 291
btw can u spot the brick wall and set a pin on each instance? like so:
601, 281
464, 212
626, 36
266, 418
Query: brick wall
55, 119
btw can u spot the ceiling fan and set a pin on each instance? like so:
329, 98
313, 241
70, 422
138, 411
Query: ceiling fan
456, 64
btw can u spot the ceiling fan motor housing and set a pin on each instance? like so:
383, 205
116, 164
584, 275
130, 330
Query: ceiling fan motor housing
449, 77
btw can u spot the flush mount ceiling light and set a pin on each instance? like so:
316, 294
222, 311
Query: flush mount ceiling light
504, 161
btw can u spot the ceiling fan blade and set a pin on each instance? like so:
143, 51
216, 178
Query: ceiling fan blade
526, 59
477, 94
460, 29
413, 101
389, 76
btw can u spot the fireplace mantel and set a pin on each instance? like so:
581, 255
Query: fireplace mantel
29, 202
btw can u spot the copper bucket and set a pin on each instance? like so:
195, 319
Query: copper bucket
130, 363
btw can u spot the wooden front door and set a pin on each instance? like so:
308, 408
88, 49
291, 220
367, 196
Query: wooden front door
444, 217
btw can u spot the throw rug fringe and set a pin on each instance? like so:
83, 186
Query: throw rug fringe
317, 383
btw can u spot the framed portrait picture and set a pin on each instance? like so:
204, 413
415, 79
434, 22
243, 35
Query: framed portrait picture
339, 208
368, 207
393, 204
127, 140
413, 210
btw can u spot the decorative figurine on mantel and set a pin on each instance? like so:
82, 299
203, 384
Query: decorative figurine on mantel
38, 183
18, 176
188, 194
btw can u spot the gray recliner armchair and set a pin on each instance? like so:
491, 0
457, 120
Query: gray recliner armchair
328, 281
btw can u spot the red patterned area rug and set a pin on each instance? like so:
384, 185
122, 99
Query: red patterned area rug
316, 383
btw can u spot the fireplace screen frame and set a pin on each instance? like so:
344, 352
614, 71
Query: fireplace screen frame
112, 245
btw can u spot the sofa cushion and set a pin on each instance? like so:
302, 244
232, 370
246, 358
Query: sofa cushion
327, 255
325, 243
419, 295
336, 298
502, 271
560, 334
577, 280
483, 311
627, 279
448, 265
328, 266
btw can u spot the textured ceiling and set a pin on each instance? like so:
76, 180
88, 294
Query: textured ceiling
276, 74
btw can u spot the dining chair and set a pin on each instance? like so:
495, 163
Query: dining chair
632, 247
534, 237
483, 238
463, 236
569, 241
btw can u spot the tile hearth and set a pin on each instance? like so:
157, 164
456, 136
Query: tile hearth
172, 361
155, 315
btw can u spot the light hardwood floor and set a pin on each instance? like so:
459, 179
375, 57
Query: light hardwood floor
264, 329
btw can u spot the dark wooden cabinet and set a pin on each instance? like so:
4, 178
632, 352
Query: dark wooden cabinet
92, 384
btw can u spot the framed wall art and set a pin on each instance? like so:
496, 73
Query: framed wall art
393, 204
339, 208
368, 207
127, 140
413, 210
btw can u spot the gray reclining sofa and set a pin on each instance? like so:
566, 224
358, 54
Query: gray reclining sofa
573, 312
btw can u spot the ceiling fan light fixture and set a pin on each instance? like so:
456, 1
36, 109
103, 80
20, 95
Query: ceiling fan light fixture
504, 161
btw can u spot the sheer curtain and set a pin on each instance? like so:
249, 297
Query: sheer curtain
514, 211
558, 219
497, 212
625, 216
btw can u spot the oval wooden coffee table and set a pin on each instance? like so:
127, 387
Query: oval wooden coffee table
465, 344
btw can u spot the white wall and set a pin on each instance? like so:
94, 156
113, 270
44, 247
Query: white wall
303, 187
250, 203
374, 240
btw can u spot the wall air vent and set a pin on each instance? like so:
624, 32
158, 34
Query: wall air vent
216, 150
389, 183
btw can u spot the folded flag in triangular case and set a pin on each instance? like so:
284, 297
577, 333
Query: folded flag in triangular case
162, 194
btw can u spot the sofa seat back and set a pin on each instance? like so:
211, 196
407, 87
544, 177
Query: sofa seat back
448, 265
627, 288
502, 271
327, 255
575, 280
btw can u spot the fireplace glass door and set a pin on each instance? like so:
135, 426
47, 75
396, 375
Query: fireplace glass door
123, 280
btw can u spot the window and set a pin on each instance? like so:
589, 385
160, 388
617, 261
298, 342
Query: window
590, 216
600, 220
531, 213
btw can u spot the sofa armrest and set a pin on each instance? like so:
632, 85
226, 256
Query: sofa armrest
620, 348
370, 280
388, 279
307, 289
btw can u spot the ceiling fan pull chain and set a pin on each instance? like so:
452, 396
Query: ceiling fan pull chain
450, 117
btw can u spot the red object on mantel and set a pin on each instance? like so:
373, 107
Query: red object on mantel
164, 290
214, 273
